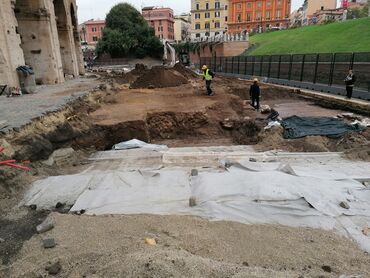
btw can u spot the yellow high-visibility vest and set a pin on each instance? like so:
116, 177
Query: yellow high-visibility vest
207, 76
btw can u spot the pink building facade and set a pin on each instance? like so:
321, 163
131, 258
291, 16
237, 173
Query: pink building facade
162, 20
92, 31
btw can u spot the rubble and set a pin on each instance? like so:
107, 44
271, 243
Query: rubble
151, 241
192, 202
48, 243
344, 205
53, 268
45, 226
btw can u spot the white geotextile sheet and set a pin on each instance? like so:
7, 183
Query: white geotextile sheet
137, 144
338, 170
254, 196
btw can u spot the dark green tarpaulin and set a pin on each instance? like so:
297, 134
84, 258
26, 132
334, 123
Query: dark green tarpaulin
298, 127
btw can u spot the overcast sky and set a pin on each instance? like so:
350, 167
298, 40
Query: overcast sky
97, 9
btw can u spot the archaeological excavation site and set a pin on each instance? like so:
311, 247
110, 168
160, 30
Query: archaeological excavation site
140, 174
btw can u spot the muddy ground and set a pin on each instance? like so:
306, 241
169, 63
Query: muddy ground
154, 111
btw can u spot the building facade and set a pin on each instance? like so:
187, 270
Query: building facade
42, 34
91, 31
312, 6
208, 18
182, 27
258, 15
162, 20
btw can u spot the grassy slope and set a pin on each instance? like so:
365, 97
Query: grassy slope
349, 36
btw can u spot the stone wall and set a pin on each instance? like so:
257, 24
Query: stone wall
45, 37
219, 49
11, 54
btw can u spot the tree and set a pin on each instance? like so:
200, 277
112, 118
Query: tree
359, 12
127, 34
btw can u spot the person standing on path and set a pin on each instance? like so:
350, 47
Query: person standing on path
208, 76
350, 83
254, 93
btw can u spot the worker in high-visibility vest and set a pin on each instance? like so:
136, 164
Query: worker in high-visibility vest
208, 76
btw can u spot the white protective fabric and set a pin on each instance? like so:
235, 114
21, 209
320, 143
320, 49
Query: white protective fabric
298, 194
137, 144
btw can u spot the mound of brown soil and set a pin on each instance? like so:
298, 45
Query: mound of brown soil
159, 77
188, 73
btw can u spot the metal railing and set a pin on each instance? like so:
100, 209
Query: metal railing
324, 69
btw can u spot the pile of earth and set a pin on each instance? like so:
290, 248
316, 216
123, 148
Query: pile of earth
188, 73
159, 77
131, 76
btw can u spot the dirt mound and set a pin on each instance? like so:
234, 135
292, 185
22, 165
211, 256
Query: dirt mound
188, 73
159, 77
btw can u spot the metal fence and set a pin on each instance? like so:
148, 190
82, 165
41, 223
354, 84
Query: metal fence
325, 69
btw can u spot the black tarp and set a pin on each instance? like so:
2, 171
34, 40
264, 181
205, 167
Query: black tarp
298, 127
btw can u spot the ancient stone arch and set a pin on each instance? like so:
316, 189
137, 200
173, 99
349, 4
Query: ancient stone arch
42, 34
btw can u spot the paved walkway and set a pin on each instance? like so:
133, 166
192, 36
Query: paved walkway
353, 101
16, 112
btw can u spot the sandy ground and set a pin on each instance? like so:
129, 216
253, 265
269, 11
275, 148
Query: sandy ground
114, 246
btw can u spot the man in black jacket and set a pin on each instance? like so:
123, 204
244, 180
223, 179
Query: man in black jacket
254, 93
350, 83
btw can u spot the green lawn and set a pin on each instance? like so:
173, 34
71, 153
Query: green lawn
348, 36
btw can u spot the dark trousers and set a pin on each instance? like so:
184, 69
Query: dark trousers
208, 86
255, 101
349, 91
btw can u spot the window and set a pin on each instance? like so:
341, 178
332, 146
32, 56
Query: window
226, 7
258, 5
197, 26
207, 25
279, 3
160, 23
207, 6
239, 18
278, 14
217, 14
226, 18
207, 15
217, 24
268, 15
197, 7
239, 6
93, 29
197, 35
248, 16
258, 16
197, 16
249, 5
217, 5
268, 4
207, 34
95, 38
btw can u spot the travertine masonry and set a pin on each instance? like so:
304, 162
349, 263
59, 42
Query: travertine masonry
42, 34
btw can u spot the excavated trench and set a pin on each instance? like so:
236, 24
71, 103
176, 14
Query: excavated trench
167, 126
